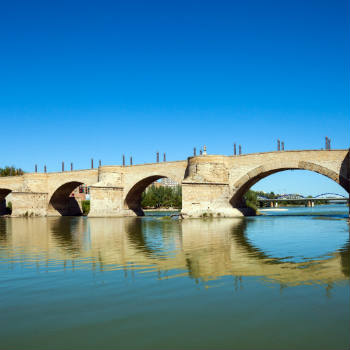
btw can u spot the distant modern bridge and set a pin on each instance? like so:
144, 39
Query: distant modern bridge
212, 185
299, 197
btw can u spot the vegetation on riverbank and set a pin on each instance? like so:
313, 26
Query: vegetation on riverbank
11, 171
85, 206
251, 199
162, 197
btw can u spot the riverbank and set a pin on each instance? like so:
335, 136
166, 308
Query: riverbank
162, 209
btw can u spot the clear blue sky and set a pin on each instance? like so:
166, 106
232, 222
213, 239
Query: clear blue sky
82, 79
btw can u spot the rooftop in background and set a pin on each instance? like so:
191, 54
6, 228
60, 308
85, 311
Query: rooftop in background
82, 192
168, 182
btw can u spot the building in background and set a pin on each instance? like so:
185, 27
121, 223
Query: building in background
168, 182
82, 192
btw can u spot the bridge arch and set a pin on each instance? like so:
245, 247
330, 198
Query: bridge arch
133, 195
241, 186
60, 202
3, 194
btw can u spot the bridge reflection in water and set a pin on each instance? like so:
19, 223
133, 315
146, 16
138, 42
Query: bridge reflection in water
201, 249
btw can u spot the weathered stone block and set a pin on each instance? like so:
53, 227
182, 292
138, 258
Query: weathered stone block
106, 201
29, 204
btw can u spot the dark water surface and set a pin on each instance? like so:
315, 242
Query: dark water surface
277, 281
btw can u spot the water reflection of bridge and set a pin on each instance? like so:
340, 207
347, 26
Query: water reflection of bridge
202, 249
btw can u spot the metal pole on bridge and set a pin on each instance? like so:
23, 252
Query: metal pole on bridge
36, 168
71, 166
234, 149
328, 143
44, 168
194, 152
240, 149
123, 159
62, 166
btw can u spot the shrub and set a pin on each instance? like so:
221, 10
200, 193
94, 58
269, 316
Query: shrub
9, 208
85, 206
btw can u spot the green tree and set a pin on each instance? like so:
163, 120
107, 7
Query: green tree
251, 199
162, 196
11, 171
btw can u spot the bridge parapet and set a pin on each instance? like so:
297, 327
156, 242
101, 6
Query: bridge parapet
111, 175
12, 183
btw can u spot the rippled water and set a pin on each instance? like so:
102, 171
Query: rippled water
277, 281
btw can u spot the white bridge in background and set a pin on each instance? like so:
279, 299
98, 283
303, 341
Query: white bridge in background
299, 197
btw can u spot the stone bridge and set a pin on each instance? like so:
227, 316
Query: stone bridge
211, 184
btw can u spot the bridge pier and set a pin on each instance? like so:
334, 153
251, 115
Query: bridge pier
206, 200
107, 201
29, 204
206, 189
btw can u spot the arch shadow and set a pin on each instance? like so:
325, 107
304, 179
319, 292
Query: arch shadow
61, 203
4, 210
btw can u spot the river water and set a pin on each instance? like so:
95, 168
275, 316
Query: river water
276, 281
